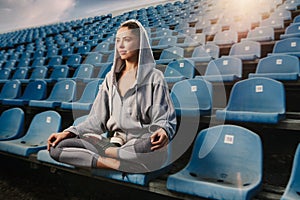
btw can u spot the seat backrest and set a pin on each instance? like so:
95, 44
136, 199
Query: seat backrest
292, 188
261, 32
172, 53
226, 37
89, 93
4, 74
11, 123
20, 73
199, 37
246, 48
55, 60
257, 95
225, 66
39, 61
39, 72
84, 71
227, 153
35, 90
11, 89
278, 64
182, 67
74, 59
84, 49
59, 71
41, 127
275, 22
102, 47
67, 51
287, 45
23, 62
10, 64
104, 70
63, 91
211, 50
292, 28
192, 93
93, 58
168, 40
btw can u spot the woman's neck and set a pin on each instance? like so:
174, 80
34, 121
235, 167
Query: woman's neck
129, 65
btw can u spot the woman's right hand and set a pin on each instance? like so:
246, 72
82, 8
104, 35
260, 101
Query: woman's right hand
55, 138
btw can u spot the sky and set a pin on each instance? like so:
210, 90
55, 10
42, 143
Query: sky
19, 14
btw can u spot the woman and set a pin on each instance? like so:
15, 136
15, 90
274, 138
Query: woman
133, 106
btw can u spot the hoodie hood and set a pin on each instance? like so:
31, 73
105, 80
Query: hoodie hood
146, 61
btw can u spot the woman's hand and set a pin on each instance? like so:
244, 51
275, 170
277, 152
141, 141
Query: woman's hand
159, 139
55, 138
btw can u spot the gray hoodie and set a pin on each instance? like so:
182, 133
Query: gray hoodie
146, 104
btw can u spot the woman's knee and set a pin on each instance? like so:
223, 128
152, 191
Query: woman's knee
55, 152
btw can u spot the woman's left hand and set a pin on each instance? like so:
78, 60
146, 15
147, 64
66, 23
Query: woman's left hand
159, 139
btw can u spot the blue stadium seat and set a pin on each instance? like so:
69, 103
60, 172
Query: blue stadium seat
39, 72
23, 62
226, 163
192, 97
55, 60
170, 54
74, 60
37, 62
279, 67
4, 75
246, 50
103, 47
93, 58
42, 125
292, 189
166, 42
205, 53
20, 73
63, 91
274, 22
101, 74
258, 100
11, 124
179, 70
293, 30
84, 49
289, 46
224, 69
227, 37
58, 72
82, 71
193, 41
10, 90
67, 51
35, 90
43, 155
87, 98
9, 64
260, 34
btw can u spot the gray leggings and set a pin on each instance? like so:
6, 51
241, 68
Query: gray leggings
133, 156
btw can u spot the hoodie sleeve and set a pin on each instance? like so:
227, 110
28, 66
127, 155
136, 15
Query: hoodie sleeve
163, 112
98, 116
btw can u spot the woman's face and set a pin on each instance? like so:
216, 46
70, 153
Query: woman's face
127, 44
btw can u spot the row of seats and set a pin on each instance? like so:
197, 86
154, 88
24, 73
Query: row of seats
83, 72
63, 95
251, 99
235, 174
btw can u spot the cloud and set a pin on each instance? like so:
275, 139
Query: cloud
16, 14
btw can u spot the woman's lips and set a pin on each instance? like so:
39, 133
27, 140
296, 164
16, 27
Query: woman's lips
123, 52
